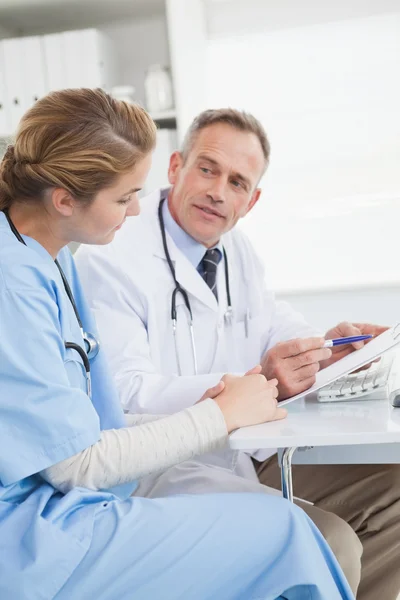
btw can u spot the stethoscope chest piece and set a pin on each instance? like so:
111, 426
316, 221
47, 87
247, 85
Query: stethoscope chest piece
92, 346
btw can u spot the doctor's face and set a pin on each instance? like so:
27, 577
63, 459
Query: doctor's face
101, 219
217, 183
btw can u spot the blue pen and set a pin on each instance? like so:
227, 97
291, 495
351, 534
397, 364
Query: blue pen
346, 340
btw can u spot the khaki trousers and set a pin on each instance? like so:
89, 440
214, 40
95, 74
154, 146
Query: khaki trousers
367, 497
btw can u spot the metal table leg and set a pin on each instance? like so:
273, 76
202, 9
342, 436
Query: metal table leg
286, 473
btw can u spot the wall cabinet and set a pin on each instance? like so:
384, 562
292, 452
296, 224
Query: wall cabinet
30, 67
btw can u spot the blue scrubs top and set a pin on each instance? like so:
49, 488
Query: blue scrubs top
45, 414
105, 545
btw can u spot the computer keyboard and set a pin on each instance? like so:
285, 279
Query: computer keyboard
374, 383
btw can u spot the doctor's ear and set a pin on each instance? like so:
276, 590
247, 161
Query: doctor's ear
175, 165
62, 201
254, 199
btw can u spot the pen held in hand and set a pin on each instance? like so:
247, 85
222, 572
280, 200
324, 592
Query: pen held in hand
346, 340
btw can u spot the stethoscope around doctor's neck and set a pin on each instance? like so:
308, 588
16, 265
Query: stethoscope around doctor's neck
180, 290
92, 346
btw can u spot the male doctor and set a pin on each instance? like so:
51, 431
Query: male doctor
180, 300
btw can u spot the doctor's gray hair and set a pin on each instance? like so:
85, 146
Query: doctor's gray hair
240, 120
80, 140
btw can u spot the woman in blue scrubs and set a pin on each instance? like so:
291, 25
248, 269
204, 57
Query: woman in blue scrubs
78, 161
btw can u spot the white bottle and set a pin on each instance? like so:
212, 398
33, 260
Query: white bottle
158, 89
123, 92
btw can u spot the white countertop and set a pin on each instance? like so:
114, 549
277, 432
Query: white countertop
310, 423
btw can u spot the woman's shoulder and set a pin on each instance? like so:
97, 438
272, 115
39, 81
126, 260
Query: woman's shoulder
23, 267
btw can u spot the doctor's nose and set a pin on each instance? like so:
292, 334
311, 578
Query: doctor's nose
217, 192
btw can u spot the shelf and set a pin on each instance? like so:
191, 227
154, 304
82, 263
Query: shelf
165, 119
166, 115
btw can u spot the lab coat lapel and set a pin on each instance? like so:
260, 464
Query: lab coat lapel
186, 274
190, 279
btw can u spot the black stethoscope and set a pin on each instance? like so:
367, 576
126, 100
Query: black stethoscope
92, 346
180, 290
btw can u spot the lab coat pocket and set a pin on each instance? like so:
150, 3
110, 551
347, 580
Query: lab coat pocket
75, 369
247, 336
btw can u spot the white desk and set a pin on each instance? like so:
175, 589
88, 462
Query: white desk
338, 432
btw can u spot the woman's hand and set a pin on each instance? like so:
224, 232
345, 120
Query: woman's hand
249, 400
213, 392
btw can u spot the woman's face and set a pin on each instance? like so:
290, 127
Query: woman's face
98, 222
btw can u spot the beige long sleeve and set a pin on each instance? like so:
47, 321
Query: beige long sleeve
150, 444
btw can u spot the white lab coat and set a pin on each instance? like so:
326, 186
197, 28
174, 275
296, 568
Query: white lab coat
129, 287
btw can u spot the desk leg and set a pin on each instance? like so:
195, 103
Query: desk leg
286, 473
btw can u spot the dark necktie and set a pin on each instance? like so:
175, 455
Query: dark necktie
209, 265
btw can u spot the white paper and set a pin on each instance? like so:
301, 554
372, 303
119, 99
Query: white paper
374, 349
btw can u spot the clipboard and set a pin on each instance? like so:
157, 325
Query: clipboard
368, 353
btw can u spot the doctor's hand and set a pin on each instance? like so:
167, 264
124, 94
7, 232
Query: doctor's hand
346, 329
249, 400
295, 364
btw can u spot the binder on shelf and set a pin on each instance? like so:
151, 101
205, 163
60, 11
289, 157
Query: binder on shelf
72, 49
54, 60
24, 75
32, 66
14, 72
5, 126
35, 77
100, 68
89, 59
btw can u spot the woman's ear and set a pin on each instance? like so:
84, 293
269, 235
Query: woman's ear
63, 201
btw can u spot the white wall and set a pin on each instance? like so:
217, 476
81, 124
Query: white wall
139, 44
363, 305
240, 17
328, 96
188, 43
329, 174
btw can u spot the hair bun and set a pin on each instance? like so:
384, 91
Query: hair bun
10, 153
8, 161
6, 176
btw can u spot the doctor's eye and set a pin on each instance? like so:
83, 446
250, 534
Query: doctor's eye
205, 170
236, 183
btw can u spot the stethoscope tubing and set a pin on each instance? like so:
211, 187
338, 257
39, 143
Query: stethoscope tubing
91, 344
180, 290
86, 364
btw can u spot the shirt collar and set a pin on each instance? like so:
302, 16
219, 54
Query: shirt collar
193, 250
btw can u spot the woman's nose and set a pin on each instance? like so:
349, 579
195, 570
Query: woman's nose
133, 208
